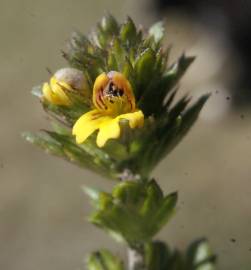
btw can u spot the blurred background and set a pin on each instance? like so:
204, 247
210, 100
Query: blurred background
42, 208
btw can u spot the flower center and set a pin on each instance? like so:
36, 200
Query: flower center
113, 94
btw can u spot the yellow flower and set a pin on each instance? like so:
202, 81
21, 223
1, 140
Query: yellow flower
113, 100
64, 79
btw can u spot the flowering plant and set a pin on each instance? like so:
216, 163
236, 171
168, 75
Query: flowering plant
113, 112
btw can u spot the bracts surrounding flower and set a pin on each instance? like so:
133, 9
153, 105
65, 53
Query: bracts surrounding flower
114, 107
114, 111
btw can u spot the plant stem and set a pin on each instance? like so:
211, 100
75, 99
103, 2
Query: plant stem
136, 260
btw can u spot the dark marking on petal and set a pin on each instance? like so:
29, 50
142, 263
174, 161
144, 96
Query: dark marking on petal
110, 88
99, 99
121, 92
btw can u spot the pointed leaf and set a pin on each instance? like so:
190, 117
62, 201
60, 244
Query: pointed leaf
144, 68
109, 24
200, 256
166, 210
128, 32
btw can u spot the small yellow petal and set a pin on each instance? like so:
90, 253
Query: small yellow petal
50, 96
47, 93
122, 83
57, 88
54, 94
136, 119
87, 124
109, 129
100, 82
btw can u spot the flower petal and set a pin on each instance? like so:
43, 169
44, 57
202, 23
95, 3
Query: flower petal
87, 124
57, 89
100, 83
122, 83
47, 93
54, 94
136, 119
109, 129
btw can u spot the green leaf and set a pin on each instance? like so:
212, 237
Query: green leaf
128, 192
61, 129
63, 114
197, 257
80, 42
119, 52
176, 71
85, 155
128, 32
167, 132
144, 68
112, 62
166, 210
134, 212
153, 199
200, 257
129, 73
44, 142
106, 30
109, 24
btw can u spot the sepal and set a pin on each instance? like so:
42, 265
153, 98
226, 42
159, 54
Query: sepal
161, 135
106, 30
128, 33
141, 57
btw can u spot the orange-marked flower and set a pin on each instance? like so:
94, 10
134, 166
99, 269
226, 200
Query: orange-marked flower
114, 100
